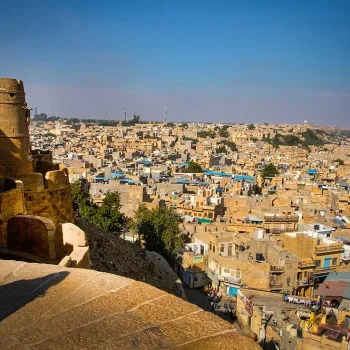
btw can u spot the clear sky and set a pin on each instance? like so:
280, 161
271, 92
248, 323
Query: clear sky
225, 61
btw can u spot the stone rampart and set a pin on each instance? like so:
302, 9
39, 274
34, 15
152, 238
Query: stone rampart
50, 198
11, 204
56, 179
39, 156
32, 181
32, 234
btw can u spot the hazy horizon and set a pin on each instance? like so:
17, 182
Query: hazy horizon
222, 61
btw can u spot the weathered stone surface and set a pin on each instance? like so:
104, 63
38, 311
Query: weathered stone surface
65, 262
49, 307
32, 234
73, 235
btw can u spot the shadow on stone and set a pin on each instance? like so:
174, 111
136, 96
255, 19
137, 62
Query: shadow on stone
15, 295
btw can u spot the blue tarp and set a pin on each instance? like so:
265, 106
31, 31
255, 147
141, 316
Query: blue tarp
312, 171
128, 180
234, 177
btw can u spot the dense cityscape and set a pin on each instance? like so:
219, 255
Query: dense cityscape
263, 210
175, 175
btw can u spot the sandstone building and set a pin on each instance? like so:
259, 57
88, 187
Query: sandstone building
36, 212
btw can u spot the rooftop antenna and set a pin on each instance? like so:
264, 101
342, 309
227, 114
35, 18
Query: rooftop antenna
133, 111
125, 117
166, 113
52, 109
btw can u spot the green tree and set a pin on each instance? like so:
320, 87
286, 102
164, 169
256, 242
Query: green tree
269, 171
205, 133
159, 229
251, 127
311, 138
134, 120
223, 132
80, 197
231, 145
221, 149
107, 216
339, 161
193, 167
292, 140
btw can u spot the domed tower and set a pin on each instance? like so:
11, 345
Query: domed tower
14, 132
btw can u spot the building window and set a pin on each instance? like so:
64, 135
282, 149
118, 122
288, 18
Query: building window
238, 273
318, 263
213, 248
318, 242
334, 261
222, 248
210, 246
226, 270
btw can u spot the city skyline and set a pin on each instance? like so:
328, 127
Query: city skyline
218, 62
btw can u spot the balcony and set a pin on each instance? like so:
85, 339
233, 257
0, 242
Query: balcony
281, 218
212, 275
306, 264
275, 285
306, 282
231, 280
217, 278
276, 269
345, 257
329, 248
322, 269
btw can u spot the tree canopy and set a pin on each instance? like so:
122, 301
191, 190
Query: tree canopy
269, 170
223, 132
193, 167
159, 229
231, 145
134, 120
221, 149
107, 216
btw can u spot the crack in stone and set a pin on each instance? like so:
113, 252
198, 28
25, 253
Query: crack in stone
102, 318
145, 328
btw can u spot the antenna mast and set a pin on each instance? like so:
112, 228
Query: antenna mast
166, 113
125, 117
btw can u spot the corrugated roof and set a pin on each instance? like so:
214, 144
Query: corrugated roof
338, 277
332, 289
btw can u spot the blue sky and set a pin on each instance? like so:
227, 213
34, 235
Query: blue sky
226, 61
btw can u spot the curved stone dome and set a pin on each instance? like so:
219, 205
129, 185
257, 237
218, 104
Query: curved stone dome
49, 307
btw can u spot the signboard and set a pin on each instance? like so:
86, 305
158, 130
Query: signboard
198, 259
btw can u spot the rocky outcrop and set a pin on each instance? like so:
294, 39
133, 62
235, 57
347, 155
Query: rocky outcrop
110, 253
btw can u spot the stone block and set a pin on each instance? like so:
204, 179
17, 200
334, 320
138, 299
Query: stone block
32, 181
32, 234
